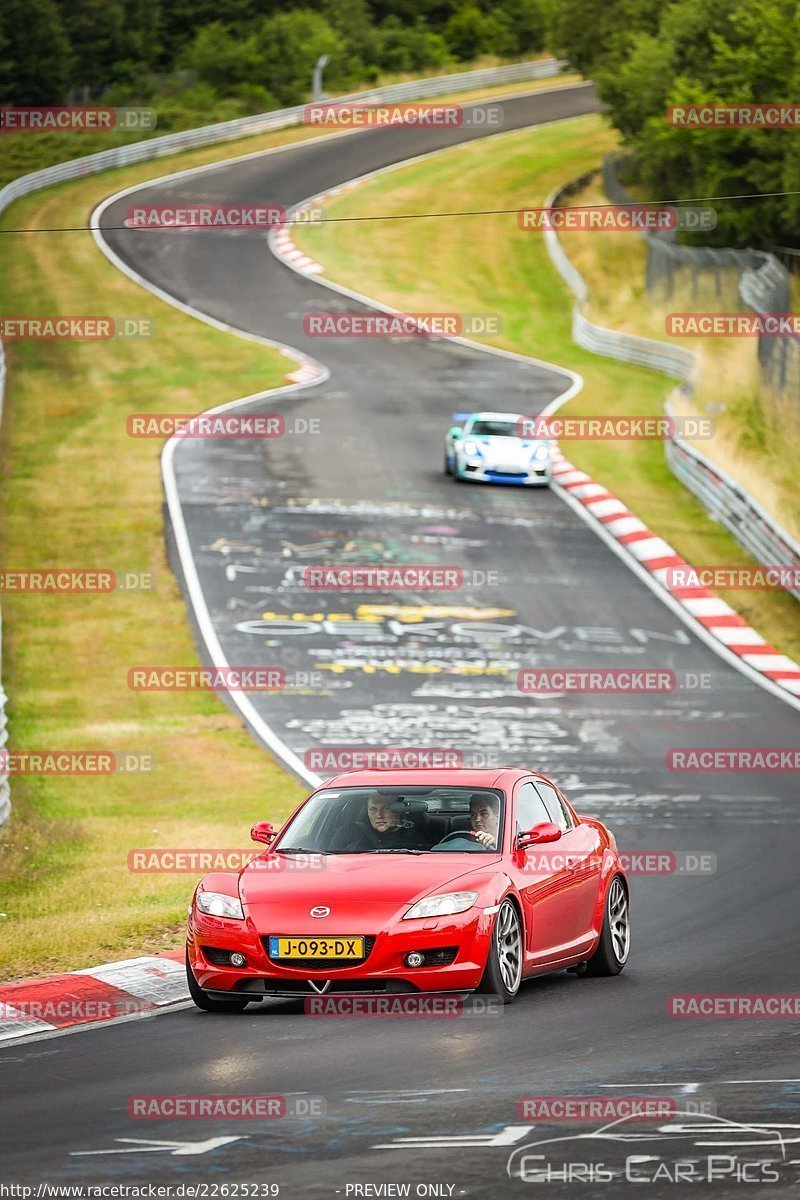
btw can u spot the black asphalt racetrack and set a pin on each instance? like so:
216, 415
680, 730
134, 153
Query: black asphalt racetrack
439, 669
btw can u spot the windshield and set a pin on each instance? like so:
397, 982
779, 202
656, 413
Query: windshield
495, 428
396, 820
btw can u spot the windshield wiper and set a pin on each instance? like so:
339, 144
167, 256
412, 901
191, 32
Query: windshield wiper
397, 850
296, 850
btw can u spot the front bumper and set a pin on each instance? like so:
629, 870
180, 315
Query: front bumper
534, 476
383, 970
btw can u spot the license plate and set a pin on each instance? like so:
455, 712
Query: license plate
327, 947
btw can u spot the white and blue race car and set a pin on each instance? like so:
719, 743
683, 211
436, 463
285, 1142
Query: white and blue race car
490, 448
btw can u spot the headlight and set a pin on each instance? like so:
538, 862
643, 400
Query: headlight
471, 449
217, 904
442, 906
541, 453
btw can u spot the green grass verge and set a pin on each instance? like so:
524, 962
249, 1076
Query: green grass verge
77, 491
486, 264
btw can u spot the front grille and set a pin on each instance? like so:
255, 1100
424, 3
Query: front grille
320, 964
258, 988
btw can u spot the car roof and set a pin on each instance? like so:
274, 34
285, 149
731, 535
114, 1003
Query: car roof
495, 416
497, 777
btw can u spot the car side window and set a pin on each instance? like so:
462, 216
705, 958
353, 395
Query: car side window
557, 812
530, 808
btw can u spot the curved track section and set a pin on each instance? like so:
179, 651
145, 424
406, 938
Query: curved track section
427, 670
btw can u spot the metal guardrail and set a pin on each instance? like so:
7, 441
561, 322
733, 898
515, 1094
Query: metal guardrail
208, 135
674, 361
281, 118
731, 505
751, 525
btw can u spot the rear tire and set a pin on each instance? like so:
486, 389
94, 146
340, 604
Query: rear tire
206, 1002
503, 974
447, 470
615, 938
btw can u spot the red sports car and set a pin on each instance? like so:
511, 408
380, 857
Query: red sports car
413, 881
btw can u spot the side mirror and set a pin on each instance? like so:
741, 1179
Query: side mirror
456, 432
548, 831
263, 831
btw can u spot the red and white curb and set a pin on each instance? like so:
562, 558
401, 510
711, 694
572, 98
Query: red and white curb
98, 994
308, 372
659, 558
280, 240
286, 249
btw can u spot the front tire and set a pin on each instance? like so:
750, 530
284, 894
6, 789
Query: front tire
503, 973
615, 938
206, 1002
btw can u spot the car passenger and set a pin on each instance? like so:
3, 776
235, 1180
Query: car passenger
386, 827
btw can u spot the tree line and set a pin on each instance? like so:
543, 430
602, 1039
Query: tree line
259, 53
650, 54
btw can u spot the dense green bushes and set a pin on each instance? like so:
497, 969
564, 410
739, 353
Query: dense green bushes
655, 53
250, 51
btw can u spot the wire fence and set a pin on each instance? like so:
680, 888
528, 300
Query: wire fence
726, 280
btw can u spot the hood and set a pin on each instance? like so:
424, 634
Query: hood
363, 891
506, 451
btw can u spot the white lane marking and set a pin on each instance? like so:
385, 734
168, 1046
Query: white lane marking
508, 1136
708, 1083
249, 712
152, 1146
